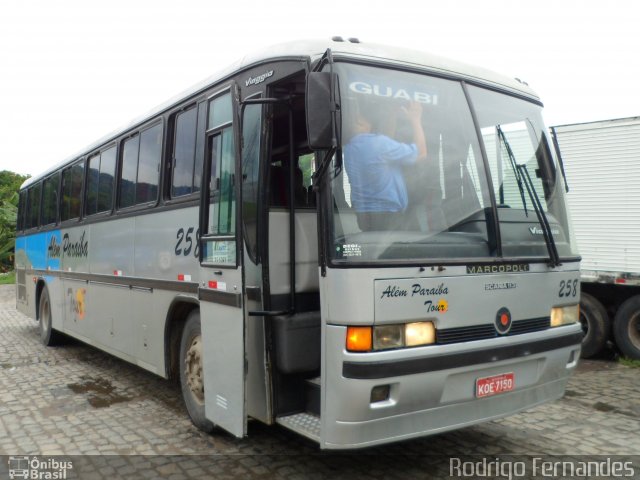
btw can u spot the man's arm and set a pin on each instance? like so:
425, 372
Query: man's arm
414, 113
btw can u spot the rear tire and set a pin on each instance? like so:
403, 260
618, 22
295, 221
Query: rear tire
191, 377
48, 336
626, 327
595, 325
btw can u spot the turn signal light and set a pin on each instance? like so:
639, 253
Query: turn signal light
359, 339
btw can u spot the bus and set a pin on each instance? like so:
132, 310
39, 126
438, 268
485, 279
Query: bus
360, 243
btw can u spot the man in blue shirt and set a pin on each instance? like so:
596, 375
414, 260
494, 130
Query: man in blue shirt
375, 162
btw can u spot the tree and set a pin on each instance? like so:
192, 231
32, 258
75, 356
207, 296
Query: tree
9, 185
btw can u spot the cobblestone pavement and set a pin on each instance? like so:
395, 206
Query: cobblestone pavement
75, 400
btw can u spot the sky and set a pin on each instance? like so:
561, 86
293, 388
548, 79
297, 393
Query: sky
73, 71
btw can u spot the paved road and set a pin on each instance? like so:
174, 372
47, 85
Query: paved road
75, 400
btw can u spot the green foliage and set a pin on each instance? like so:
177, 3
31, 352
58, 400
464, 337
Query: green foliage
8, 278
630, 362
9, 185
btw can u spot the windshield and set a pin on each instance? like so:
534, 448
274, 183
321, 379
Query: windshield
411, 184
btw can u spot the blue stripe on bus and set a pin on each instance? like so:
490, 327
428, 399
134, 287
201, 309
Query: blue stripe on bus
36, 249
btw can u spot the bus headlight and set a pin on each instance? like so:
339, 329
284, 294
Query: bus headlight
565, 315
419, 333
388, 336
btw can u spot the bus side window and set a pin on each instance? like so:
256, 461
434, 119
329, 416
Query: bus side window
140, 167
71, 192
251, 140
102, 167
33, 206
22, 203
50, 200
148, 164
223, 205
188, 151
221, 220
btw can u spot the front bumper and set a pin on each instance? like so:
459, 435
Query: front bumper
432, 389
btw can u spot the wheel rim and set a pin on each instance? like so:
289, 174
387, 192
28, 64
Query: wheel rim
584, 324
45, 316
634, 331
193, 369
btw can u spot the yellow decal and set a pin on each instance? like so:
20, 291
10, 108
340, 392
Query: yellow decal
80, 293
77, 302
443, 305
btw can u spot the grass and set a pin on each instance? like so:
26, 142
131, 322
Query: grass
8, 278
630, 362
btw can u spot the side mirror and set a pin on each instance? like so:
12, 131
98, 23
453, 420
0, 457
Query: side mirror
321, 108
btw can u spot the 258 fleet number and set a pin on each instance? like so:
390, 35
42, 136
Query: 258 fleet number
188, 243
568, 288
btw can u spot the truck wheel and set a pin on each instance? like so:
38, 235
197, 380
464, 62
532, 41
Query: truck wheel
626, 327
595, 325
191, 377
48, 336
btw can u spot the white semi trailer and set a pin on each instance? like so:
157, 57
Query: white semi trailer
602, 165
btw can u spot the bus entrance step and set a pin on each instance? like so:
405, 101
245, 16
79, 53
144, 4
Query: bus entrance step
312, 395
303, 423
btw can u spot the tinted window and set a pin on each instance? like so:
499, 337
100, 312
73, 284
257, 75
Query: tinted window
250, 174
200, 136
100, 181
71, 192
33, 206
107, 177
140, 167
22, 203
148, 166
92, 184
129, 172
50, 200
184, 153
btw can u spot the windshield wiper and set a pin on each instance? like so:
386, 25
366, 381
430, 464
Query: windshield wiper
520, 172
542, 217
514, 166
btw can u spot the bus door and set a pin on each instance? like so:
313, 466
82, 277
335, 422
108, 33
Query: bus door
220, 292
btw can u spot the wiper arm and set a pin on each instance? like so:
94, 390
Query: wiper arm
542, 217
324, 166
514, 166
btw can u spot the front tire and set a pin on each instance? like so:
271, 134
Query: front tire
48, 336
626, 327
595, 325
191, 376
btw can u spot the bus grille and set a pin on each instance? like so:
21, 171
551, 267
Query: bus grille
483, 332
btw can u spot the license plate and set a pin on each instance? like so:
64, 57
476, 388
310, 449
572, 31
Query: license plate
487, 386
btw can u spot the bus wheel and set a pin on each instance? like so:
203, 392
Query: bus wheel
191, 378
595, 325
626, 327
48, 336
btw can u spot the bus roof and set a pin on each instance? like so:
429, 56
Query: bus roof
312, 50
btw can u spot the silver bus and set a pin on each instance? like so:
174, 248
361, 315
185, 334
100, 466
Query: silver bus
360, 243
